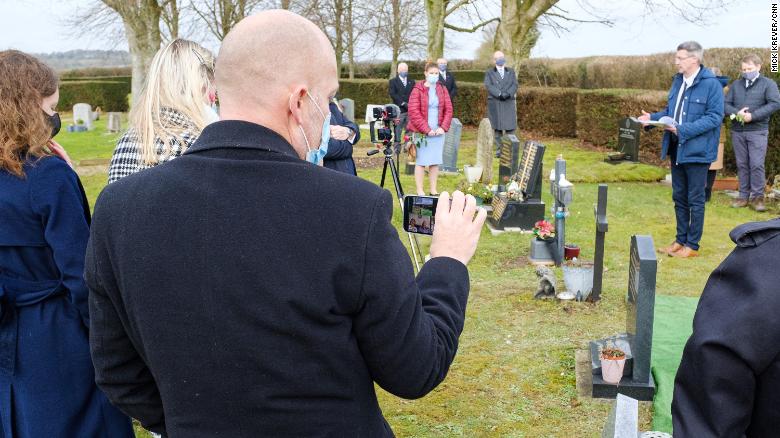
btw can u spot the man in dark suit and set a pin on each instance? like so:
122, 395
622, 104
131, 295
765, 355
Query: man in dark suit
344, 134
501, 85
400, 88
232, 300
447, 78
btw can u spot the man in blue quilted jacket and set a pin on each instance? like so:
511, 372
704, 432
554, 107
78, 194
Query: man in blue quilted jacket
695, 103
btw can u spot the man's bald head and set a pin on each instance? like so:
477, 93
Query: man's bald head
267, 65
403, 68
498, 54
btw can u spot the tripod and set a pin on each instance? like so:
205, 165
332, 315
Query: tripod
399, 192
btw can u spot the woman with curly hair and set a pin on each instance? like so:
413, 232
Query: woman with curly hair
176, 103
47, 381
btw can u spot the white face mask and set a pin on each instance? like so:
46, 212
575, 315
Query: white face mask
210, 113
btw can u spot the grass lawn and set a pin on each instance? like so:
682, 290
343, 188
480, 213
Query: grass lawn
514, 372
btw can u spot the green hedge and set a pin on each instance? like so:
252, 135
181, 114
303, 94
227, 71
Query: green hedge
599, 111
108, 95
548, 111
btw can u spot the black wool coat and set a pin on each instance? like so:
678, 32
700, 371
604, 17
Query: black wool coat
728, 383
399, 93
240, 291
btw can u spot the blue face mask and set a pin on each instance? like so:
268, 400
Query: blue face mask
442, 67
432, 78
750, 76
314, 156
403, 74
500, 62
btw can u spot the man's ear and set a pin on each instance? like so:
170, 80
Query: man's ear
298, 94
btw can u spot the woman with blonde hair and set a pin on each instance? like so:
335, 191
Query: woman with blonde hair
47, 380
176, 103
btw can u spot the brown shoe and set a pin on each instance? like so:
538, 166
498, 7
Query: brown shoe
685, 253
671, 248
758, 204
739, 203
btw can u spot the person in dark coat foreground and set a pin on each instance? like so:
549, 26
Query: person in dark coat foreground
728, 383
343, 135
253, 293
47, 382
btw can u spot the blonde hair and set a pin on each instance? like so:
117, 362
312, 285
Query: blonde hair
179, 77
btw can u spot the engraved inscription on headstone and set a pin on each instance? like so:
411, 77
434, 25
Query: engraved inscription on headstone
485, 150
451, 145
628, 138
509, 161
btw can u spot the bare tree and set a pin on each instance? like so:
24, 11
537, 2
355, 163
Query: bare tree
220, 16
401, 27
438, 11
141, 21
169, 13
520, 19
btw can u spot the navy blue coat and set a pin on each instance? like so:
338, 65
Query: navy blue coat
240, 291
339, 156
47, 383
728, 383
699, 132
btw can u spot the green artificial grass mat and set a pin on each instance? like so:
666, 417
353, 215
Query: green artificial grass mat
671, 329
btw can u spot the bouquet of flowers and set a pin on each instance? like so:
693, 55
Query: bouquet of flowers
738, 117
477, 190
544, 230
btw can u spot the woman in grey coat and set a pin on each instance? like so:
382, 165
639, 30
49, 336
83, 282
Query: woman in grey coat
501, 85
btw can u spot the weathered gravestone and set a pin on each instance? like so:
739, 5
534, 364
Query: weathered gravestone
348, 108
485, 150
451, 146
628, 142
83, 112
623, 420
114, 122
637, 342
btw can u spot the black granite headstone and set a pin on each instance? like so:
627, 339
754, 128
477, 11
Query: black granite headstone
628, 139
601, 230
637, 341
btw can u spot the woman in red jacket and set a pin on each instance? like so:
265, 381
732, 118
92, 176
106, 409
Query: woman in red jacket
430, 115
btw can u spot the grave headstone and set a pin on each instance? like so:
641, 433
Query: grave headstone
637, 342
509, 161
602, 226
485, 150
114, 122
628, 141
525, 212
83, 112
348, 108
451, 146
623, 420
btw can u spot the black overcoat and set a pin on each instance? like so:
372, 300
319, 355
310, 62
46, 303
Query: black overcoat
240, 291
728, 383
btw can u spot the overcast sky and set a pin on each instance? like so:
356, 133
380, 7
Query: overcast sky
40, 26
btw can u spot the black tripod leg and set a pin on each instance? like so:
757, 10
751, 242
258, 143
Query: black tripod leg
396, 181
384, 172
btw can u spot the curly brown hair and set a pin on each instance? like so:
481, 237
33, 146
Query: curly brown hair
24, 128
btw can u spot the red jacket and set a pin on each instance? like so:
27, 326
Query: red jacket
418, 108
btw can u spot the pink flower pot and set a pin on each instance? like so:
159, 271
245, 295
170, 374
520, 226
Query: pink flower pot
612, 370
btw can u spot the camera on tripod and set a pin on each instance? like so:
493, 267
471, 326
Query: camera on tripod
388, 115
